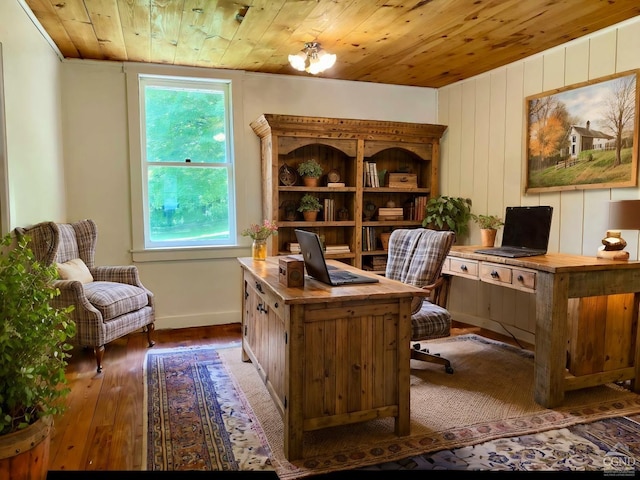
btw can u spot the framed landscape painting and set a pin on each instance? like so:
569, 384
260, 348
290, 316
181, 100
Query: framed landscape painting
583, 136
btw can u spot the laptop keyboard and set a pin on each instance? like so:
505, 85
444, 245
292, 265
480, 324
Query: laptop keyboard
341, 275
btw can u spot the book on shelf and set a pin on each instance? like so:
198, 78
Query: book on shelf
329, 210
371, 178
335, 184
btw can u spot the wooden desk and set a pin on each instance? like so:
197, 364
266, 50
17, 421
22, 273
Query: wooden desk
328, 355
586, 315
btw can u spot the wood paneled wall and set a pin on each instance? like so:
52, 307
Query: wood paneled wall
482, 158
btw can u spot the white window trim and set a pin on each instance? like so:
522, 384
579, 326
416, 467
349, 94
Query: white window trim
139, 252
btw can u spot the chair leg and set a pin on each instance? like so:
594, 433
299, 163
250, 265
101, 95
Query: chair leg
99, 353
423, 354
150, 329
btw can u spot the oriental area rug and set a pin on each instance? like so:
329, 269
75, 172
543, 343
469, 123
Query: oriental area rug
205, 409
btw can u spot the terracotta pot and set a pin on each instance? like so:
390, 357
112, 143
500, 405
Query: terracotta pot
310, 216
384, 239
24, 455
488, 236
311, 181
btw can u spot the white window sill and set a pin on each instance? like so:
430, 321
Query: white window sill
194, 253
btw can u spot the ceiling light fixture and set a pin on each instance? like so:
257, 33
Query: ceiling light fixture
312, 58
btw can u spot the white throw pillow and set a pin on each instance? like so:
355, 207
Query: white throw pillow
74, 270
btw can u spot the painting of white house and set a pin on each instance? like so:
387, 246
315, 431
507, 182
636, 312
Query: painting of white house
583, 136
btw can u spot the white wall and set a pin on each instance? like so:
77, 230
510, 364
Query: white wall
483, 151
35, 163
196, 292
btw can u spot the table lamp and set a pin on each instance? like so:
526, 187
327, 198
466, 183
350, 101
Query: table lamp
623, 215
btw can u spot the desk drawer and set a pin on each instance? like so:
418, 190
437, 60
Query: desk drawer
493, 273
268, 300
524, 279
462, 268
518, 278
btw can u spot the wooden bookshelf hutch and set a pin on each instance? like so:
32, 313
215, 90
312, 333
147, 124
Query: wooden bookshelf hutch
344, 146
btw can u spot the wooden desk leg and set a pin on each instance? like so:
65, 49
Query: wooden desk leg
403, 420
635, 382
294, 360
552, 296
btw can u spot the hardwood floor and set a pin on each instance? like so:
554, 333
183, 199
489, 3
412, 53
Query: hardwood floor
102, 428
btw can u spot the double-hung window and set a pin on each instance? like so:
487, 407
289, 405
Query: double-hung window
186, 144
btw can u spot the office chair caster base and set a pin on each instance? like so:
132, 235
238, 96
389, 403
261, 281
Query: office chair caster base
418, 353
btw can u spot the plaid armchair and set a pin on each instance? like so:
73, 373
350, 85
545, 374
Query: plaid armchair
415, 257
109, 301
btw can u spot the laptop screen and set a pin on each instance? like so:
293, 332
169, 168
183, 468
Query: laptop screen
312, 254
527, 227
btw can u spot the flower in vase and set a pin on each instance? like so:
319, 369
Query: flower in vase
261, 232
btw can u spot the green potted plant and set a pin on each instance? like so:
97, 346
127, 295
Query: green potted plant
311, 171
448, 213
33, 356
492, 222
309, 206
489, 225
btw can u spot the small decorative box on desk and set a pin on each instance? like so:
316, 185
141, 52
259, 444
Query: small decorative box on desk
291, 272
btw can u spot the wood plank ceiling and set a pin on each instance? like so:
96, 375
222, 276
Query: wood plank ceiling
427, 43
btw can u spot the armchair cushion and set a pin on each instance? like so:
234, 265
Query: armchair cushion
114, 299
74, 269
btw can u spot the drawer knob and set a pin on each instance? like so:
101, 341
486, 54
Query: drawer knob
495, 274
520, 278
259, 287
463, 268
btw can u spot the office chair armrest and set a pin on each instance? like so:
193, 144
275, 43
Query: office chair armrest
435, 285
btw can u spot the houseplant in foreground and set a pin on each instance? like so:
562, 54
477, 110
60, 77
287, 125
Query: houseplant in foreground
311, 171
448, 213
489, 225
310, 206
33, 356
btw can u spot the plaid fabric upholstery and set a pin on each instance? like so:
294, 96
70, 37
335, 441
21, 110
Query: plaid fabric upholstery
415, 257
114, 304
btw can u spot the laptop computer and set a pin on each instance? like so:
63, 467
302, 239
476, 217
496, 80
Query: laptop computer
316, 265
526, 232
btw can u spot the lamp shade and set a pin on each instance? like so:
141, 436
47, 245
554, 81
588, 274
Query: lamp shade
624, 214
312, 58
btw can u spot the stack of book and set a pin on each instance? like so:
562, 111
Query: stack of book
338, 248
396, 213
293, 247
377, 263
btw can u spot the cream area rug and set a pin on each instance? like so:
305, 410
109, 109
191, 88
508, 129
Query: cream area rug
489, 396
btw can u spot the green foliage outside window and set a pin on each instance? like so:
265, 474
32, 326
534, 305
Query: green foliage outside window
188, 169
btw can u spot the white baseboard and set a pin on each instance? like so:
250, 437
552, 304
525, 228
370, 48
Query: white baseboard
199, 320
494, 326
